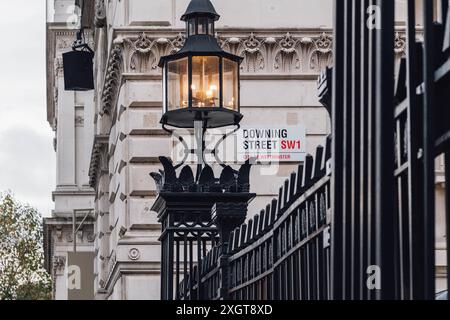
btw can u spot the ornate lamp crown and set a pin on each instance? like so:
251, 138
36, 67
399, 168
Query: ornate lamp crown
200, 7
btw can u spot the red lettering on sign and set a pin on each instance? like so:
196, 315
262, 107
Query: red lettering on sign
290, 144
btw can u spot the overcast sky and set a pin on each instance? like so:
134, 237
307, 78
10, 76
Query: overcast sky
27, 158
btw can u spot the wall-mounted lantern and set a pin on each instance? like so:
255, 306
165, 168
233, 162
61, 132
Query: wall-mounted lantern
78, 66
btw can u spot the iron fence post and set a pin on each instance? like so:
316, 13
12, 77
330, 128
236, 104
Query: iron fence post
227, 217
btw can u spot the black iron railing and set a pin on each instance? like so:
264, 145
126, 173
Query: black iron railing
387, 135
289, 260
281, 253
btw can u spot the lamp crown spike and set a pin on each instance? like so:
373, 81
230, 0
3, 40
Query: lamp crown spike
200, 8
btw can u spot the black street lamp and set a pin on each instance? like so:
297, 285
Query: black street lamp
201, 91
201, 81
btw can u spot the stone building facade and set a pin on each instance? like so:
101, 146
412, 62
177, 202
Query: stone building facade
108, 140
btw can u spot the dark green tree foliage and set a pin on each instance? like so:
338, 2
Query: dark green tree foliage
22, 275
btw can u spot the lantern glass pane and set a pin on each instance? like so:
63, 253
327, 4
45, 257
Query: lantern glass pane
191, 27
178, 84
202, 26
211, 27
230, 84
205, 82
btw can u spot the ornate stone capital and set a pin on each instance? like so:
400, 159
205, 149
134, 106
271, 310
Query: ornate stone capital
79, 121
59, 264
400, 43
100, 13
142, 52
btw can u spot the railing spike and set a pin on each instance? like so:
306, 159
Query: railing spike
243, 230
328, 148
273, 211
207, 179
230, 242
249, 231
286, 193
255, 226
317, 173
261, 223
169, 171
299, 189
292, 185
280, 202
236, 239
307, 171
227, 179
267, 217
186, 178
243, 180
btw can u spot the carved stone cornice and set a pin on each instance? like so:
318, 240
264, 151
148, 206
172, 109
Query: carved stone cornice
276, 52
270, 52
143, 52
98, 157
63, 232
285, 53
113, 78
